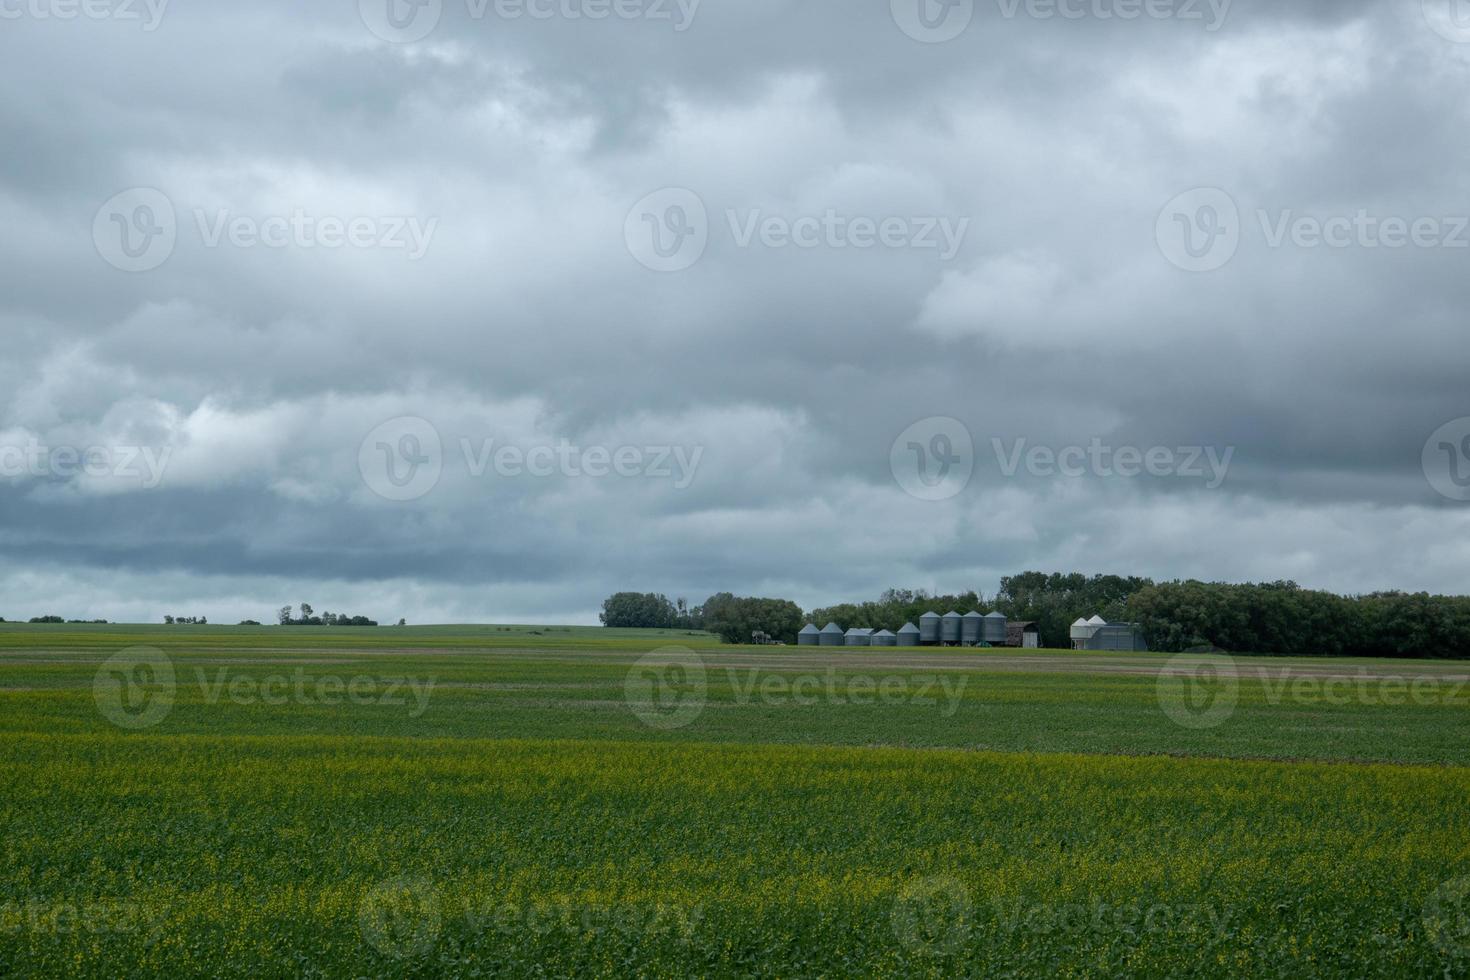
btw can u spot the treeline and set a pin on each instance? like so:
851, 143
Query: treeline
58, 619
1283, 618
734, 619
1265, 618
308, 617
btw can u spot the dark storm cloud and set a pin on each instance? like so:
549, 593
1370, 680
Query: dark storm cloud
1059, 321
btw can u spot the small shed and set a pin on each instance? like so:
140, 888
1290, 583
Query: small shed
1025, 634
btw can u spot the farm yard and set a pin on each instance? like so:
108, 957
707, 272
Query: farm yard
571, 802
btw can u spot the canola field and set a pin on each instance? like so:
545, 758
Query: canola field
531, 802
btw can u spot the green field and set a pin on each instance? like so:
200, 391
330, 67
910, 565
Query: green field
551, 802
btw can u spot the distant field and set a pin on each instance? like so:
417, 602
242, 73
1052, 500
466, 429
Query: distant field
539, 801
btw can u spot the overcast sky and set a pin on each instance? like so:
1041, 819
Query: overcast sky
467, 311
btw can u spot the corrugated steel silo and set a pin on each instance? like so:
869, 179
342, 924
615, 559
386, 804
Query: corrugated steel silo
883, 638
994, 630
1082, 631
970, 628
949, 627
857, 638
929, 627
809, 636
831, 635
908, 636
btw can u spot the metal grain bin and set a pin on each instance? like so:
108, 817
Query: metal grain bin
994, 629
929, 628
908, 636
1082, 631
832, 635
809, 636
950, 627
971, 628
883, 638
857, 638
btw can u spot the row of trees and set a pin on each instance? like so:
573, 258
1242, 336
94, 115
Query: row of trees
308, 617
650, 610
1283, 618
1269, 618
733, 618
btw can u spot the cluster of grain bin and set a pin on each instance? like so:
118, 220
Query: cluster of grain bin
951, 629
1098, 634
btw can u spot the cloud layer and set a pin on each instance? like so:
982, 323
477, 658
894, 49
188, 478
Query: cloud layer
240, 242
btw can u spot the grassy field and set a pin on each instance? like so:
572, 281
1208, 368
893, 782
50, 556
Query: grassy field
557, 802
